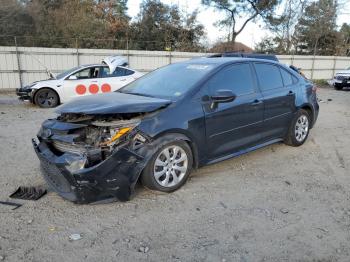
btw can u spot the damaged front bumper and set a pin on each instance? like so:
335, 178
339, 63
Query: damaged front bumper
115, 177
24, 94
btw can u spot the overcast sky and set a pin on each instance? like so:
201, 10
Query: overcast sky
251, 35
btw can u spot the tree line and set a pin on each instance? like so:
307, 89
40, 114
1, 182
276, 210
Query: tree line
295, 26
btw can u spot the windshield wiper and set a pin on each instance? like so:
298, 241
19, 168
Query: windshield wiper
138, 94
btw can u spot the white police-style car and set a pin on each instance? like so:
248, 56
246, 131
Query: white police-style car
83, 80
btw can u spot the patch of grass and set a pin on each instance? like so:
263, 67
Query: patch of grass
320, 82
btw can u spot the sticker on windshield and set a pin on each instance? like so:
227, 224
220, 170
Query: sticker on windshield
198, 67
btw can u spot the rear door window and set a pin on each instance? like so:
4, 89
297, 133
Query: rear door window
269, 76
237, 78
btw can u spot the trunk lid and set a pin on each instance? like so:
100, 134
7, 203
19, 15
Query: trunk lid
114, 61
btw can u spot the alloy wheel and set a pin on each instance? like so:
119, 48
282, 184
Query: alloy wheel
301, 128
170, 166
46, 98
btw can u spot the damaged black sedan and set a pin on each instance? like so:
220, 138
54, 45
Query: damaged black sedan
161, 126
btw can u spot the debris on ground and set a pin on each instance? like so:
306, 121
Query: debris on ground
322, 229
75, 237
223, 205
284, 210
329, 99
52, 229
28, 193
288, 183
2, 258
143, 249
14, 205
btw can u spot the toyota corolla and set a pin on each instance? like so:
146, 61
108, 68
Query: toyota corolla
168, 122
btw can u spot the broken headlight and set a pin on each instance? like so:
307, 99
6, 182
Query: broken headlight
114, 131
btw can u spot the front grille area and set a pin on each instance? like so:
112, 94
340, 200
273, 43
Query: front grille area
54, 177
341, 78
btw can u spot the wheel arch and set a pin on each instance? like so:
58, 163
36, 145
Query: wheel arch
310, 110
180, 134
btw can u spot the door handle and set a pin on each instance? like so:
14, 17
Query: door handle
257, 102
95, 81
290, 93
123, 79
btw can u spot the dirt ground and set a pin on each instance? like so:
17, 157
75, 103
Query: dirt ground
276, 204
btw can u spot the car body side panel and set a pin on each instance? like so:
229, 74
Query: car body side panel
278, 112
234, 126
307, 99
187, 119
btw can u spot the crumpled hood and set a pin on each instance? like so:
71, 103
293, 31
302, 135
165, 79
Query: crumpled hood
112, 103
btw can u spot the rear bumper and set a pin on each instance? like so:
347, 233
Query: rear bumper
114, 178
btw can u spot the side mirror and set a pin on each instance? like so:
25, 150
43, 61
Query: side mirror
72, 77
223, 96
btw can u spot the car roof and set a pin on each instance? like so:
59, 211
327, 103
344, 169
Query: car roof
104, 65
91, 65
248, 55
227, 60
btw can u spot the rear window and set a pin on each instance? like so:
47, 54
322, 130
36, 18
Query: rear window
269, 76
288, 78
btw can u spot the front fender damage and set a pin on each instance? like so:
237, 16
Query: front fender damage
84, 172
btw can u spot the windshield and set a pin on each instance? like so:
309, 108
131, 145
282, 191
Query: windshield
66, 73
169, 82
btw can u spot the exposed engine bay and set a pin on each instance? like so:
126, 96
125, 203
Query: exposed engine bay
92, 137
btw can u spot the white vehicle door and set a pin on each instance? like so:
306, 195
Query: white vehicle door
117, 79
81, 83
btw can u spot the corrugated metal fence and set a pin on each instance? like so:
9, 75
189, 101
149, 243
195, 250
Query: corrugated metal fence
23, 65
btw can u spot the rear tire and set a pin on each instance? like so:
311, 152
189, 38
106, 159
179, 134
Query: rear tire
299, 129
46, 98
169, 167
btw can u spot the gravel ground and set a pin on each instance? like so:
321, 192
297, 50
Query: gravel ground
276, 204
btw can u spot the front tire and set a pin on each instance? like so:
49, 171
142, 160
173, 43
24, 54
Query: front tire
337, 87
169, 167
299, 129
46, 98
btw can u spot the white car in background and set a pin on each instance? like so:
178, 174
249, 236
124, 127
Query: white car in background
83, 80
341, 79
